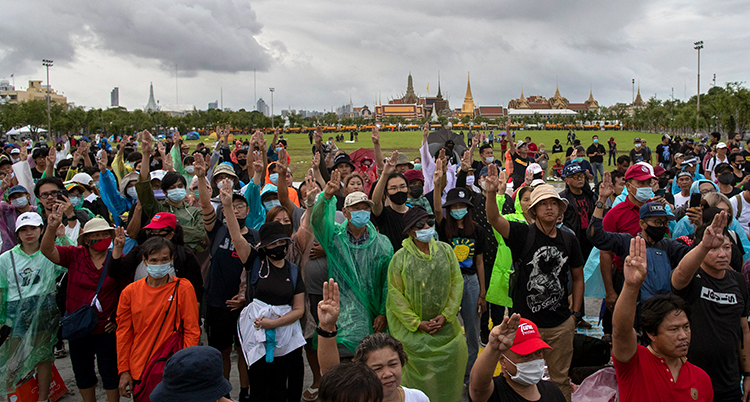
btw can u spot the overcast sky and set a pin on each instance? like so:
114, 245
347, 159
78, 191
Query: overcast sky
319, 53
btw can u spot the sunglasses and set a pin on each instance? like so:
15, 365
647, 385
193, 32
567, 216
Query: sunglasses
424, 222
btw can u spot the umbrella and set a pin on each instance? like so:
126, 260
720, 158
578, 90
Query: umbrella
364, 163
437, 139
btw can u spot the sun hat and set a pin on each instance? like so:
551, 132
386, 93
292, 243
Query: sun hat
528, 339
272, 232
457, 195
640, 171
721, 145
69, 185
193, 374
225, 169
96, 224
543, 192
162, 220
414, 215
356, 198
404, 160
28, 219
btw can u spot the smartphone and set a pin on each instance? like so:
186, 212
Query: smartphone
63, 193
695, 200
660, 192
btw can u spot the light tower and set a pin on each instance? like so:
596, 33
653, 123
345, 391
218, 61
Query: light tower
48, 64
698, 47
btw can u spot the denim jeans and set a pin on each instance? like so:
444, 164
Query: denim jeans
470, 315
612, 156
598, 168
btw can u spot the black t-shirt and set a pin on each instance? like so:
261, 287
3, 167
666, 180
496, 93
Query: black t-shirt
225, 272
583, 203
466, 246
275, 285
732, 193
598, 148
638, 155
556, 148
541, 292
504, 393
36, 175
664, 153
716, 308
520, 163
391, 224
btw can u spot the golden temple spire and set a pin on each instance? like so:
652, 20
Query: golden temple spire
468, 88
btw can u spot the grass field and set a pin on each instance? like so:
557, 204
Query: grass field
299, 148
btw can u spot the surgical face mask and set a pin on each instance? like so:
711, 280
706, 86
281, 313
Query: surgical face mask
190, 169
15, 160
176, 194
278, 149
132, 193
360, 218
459, 213
528, 373
274, 177
726, 178
489, 159
399, 198
158, 271
270, 204
644, 194
20, 202
418, 166
483, 185
656, 233
579, 159
470, 180
416, 191
559, 225
220, 184
424, 235
638, 145
76, 201
596, 140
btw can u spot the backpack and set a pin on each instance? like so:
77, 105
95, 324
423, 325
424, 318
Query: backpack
530, 237
738, 197
589, 352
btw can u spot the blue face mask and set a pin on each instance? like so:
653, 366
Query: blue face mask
559, 225
176, 194
274, 177
579, 159
76, 201
417, 166
278, 149
270, 204
360, 218
425, 235
158, 271
197, 195
459, 213
596, 140
644, 194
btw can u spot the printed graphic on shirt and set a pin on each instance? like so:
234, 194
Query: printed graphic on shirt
27, 275
546, 265
464, 250
720, 298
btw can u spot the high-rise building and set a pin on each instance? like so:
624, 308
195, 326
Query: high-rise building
213, 105
114, 97
263, 108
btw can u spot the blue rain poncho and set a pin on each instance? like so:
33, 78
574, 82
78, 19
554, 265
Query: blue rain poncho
421, 287
27, 305
360, 270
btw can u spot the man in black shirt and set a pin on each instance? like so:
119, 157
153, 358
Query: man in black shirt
718, 301
596, 153
581, 202
389, 219
638, 154
557, 148
521, 160
664, 152
515, 342
544, 256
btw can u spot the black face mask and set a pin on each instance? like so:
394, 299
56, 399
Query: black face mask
277, 253
656, 233
663, 181
726, 178
415, 191
242, 162
399, 198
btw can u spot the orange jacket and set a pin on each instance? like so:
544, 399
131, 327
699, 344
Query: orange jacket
140, 314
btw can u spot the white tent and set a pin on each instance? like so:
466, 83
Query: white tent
23, 130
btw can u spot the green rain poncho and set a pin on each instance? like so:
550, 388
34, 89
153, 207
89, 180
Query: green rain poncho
360, 270
32, 315
421, 287
497, 291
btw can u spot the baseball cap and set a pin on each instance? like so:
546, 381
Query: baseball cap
571, 169
721, 145
17, 189
652, 209
535, 168
355, 198
15, 151
691, 161
636, 139
536, 182
520, 144
658, 170
82, 178
162, 220
28, 219
679, 155
413, 174
640, 171
158, 174
528, 340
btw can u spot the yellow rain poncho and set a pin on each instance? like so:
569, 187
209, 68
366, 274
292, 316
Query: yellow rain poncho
27, 305
421, 287
360, 270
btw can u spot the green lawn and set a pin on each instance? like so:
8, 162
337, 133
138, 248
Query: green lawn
299, 148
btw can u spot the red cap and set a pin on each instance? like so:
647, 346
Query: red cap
658, 170
413, 174
640, 171
162, 220
527, 339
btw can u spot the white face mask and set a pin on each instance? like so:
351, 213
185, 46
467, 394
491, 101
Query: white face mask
220, 184
190, 169
489, 159
528, 373
132, 193
470, 180
19, 202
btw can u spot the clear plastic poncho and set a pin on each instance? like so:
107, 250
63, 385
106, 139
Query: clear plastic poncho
420, 287
32, 315
499, 286
360, 270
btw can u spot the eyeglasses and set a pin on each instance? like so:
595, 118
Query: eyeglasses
704, 192
48, 195
239, 206
424, 222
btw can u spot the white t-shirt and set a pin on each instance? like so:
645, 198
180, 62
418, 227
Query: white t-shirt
680, 200
713, 162
744, 218
414, 395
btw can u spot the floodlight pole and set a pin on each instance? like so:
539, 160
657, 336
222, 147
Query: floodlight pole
272, 89
48, 63
698, 47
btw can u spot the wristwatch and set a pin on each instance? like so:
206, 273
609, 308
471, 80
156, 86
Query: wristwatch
327, 334
599, 204
577, 314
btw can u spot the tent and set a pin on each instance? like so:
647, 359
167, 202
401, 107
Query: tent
25, 130
192, 136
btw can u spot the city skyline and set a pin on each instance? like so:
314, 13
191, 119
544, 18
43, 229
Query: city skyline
332, 53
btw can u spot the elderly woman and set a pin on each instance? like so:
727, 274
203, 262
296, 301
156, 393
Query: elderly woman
86, 267
424, 293
151, 311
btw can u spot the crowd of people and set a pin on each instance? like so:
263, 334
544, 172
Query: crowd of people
400, 279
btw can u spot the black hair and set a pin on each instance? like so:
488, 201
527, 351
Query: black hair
616, 174
623, 158
90, 170
39, 153
134, 157
483, 147
716, 135
189, 160
241, 151
594, 136
47, 180
393, 176
64, 163
351, 382
655, 309
663, 137
172, 178
155, 244
375, 342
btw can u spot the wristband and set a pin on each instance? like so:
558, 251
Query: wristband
746, 374
326, 334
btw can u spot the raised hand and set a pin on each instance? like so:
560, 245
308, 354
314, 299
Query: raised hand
502, 336
199, 165
329, 307
51, 157
318, 136
316, 162
146, 142
167, 159
375, 135
55, 218
425, 132
390, 164
606, 189
312, 188
714, 235
282, 162
492, 182
225, 194
258, 161
466, 161
438, 175
635, 267
119, 237
333, 185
